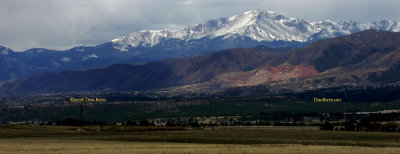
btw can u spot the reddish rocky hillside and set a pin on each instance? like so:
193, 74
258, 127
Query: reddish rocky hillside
339, 61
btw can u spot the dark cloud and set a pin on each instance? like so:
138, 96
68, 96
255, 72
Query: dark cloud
61, 24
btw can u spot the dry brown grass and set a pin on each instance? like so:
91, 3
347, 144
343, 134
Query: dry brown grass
65, 139
31, 145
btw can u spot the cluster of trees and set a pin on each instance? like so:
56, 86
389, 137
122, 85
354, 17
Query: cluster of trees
194, 123
362, 125
76, 122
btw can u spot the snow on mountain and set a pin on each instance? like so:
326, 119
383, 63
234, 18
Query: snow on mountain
91, 56
257, 25
385, 25
66, 59
4, 50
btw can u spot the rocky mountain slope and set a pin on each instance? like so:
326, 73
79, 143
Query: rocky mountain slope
359, 59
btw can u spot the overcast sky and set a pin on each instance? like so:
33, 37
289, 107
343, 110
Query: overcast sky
62, 24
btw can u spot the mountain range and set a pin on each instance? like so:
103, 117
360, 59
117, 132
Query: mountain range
366, 59
265, 29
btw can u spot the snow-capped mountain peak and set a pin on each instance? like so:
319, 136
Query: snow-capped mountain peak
257, 25
385, 25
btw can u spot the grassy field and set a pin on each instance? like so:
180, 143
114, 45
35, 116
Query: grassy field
60, 139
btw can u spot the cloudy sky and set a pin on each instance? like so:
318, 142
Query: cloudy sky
62, 24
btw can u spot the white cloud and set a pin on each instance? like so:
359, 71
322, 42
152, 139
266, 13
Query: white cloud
184, 2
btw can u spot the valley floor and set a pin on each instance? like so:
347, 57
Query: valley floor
93, 146
60, 139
